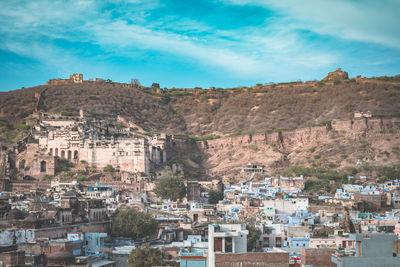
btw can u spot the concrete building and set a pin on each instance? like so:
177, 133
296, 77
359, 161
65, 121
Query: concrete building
370, 250
226, 238
193, 257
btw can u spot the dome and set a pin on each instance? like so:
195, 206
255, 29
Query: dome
61, 256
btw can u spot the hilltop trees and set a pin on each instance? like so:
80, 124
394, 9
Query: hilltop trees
128, 222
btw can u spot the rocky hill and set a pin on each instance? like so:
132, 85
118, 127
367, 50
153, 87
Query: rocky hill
215, 111
227, 118
347, 146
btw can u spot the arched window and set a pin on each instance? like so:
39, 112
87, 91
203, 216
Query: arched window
51, 151
69, 154
56, 152
62, 153
76, 154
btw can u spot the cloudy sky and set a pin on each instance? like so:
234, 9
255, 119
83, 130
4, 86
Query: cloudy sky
183, 43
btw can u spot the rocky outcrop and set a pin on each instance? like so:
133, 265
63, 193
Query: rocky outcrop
337, 75
365, 138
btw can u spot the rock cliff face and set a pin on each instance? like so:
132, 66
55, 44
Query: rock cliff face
339, 144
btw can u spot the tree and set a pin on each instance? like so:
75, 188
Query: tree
145, 257
155, 85
215, 196
254, 235
171, 188
108, 168
130, 223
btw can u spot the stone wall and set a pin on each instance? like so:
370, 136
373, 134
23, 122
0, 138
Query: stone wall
318, 257
13, 258
265, 259
26, 186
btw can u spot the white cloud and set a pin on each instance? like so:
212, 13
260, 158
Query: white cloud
253, 52
368, 21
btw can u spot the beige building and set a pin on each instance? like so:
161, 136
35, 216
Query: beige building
96, 142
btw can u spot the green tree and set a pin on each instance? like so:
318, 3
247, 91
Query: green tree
215, 196
172, 188
108, 168
254, 235
130, 223
63, 165
145, 257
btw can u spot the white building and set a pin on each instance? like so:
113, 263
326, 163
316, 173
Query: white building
226, 238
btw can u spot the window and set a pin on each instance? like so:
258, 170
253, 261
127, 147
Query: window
43, 166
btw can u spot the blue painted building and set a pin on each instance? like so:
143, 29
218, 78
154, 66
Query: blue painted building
191, 257
94, 242
299, 242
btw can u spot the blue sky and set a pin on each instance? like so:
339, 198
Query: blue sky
183, 43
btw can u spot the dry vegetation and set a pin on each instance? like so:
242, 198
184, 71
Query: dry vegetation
203, 112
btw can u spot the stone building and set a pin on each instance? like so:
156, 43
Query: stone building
92, 141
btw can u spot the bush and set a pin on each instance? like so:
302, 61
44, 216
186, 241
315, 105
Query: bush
63, 165
316, 186
389, 172
81, 178
203, 138
93, 97
349, 107
47, 177
253, 147
21, 164
108, 168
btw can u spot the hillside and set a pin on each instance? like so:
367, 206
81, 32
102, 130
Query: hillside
280, 125
359, 146
219, 111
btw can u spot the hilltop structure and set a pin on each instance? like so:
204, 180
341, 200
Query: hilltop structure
93, 141
337, 75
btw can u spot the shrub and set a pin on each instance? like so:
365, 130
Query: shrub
336, 81
21, 164
81, 178
47, 177
349, 107
108, 168
253, 147
63, 165
92, 97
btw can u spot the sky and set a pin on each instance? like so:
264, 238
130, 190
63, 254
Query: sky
187, 43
